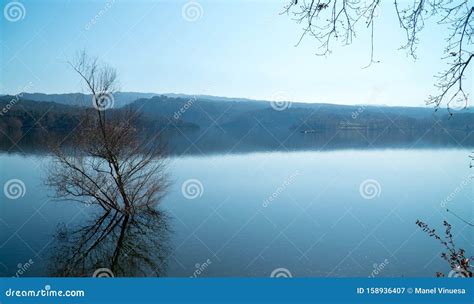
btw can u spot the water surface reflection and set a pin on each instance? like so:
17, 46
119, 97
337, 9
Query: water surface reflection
113, 243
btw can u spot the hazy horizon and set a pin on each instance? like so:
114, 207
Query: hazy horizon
428, 106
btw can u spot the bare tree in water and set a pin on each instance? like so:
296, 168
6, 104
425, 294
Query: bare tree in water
339, 20
107, 163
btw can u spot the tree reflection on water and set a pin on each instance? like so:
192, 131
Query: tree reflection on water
128, 245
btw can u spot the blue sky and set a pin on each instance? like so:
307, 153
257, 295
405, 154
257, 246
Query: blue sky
235, 49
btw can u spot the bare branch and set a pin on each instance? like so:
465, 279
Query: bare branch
109, 164
337, 20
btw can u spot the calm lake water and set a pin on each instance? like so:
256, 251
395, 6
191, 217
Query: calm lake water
337, 213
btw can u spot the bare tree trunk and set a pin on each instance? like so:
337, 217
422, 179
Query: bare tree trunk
109, 164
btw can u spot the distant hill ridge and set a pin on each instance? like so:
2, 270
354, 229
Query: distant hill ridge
124, 98
244, 114
210, 123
